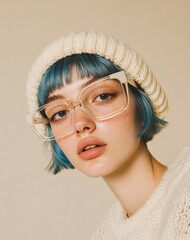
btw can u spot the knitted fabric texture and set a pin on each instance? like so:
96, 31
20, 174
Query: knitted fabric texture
136, 69
165, 216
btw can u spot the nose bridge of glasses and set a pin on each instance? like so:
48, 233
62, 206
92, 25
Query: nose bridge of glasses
77, 107
75, 103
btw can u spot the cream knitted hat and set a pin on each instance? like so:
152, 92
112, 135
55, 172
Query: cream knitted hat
138, 72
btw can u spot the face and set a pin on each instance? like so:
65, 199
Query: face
99, 148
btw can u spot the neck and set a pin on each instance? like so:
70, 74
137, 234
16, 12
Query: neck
134, 183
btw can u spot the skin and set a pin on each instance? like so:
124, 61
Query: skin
125, 164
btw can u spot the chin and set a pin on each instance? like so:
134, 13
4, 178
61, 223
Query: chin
95, 170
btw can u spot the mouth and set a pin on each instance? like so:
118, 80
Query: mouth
90, 148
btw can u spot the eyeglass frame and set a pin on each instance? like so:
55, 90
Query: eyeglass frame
120, 76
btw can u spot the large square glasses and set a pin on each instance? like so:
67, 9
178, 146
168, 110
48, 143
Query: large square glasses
100, 99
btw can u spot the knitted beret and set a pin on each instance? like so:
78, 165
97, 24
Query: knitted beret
137, 71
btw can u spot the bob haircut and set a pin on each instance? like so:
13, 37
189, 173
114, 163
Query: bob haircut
88, 65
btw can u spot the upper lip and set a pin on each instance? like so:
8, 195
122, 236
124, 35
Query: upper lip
89, 141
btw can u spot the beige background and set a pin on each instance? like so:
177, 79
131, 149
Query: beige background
33, 203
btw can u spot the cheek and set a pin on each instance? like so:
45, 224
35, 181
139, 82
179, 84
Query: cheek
68, 146
124, 131
126, 123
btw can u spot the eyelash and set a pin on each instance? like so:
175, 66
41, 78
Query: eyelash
52, 119
111, 95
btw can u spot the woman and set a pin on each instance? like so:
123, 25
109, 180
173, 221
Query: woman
97, 103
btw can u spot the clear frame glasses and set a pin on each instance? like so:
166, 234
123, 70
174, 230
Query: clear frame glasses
100, 99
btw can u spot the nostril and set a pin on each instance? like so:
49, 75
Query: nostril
82, 129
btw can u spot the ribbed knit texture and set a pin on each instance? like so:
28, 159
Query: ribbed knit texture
137, 71
165, 216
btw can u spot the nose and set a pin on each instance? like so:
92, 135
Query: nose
83, 122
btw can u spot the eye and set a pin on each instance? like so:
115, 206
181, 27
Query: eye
104, 97
59, 115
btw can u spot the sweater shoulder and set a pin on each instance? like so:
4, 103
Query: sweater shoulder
175, 222
181, 163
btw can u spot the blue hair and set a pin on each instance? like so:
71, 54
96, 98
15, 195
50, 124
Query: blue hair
149, 124
88, 65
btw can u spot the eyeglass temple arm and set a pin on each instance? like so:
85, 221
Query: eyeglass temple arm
123, 77
119, 75
38, 120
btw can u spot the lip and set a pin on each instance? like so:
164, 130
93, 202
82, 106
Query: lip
93, 152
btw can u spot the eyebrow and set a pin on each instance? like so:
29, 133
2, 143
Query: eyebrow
54, 97
82, 86
87, 83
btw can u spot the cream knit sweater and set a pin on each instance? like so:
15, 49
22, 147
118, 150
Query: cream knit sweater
165, 216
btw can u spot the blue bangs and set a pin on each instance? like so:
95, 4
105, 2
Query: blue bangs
87, 65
